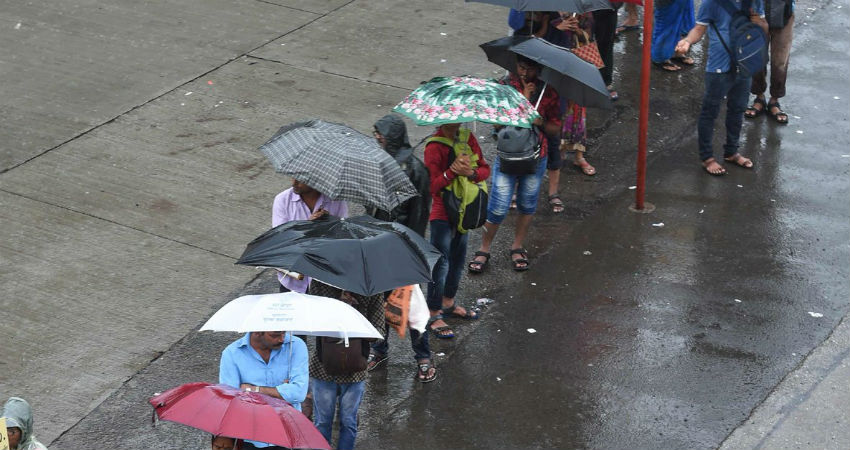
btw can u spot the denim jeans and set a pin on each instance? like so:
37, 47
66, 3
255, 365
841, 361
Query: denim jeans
736, 89
419, 342
325, 396
502, 188
449, 269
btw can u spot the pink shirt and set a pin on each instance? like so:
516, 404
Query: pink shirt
287, 207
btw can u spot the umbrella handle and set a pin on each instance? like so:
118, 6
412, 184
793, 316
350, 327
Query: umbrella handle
542, 91
289, 273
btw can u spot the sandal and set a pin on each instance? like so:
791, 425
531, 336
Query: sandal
667, 65
449, 311
621, 28
476, 266
426, 372
752, 112
740, 160
716, 170
375, 360
443, 332
585, 167
684, 59
779, 116
520, 264
513, 202
612, 94
556, 203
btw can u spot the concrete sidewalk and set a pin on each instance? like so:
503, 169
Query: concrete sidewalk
131, 183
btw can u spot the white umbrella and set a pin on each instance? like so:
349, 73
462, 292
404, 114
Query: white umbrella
293, 312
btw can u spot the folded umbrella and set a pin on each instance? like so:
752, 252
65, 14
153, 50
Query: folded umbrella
339, 162
297, 313
574, 78
467, 99
228, 411
362, 254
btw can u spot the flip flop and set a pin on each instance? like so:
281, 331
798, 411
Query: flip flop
443, 332
621, 28
449, 311
740, 160
667, 65
708, 162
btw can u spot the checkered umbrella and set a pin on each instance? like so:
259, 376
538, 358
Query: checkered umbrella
339, 162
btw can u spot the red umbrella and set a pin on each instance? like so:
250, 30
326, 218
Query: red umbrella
227, 411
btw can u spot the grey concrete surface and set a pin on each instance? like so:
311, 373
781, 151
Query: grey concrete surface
640, 344
70, 66
809, 409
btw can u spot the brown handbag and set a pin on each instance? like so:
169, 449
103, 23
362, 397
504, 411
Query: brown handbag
587, 50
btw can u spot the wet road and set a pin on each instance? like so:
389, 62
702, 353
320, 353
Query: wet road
660, 337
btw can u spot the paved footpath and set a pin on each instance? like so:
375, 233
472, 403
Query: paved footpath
130, 182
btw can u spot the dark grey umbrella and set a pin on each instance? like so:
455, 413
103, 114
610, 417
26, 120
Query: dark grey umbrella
576, 6
362, 254
573, 77
339, 162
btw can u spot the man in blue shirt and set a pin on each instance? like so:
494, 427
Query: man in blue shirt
721, 79
272, 363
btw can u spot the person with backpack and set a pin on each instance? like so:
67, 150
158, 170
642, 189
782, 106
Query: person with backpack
518, 169
338, 371
391, 134
452, 153
780, 21
725, 76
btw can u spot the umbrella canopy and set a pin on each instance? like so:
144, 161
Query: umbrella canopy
467, 99
339, 162
294, 312
227, 411
573, 77
361, 254
573, 6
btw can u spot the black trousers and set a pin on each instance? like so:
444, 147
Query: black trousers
604, 28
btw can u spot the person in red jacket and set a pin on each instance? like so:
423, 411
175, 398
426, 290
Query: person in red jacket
449, 270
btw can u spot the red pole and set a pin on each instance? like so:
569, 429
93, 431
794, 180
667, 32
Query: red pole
643, 122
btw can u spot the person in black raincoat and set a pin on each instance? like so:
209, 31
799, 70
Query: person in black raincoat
391, 134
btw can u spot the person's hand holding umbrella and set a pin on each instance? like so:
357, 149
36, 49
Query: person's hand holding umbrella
461, 166
569, 22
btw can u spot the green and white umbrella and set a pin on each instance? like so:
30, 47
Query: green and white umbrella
467, 99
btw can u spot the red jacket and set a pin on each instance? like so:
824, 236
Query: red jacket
437, 161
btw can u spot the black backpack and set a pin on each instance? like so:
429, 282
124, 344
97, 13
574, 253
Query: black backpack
778, 12
519, 150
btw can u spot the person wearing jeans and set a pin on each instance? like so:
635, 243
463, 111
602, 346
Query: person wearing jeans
443, 168
512, 140
721, 79
325, 396
347, 388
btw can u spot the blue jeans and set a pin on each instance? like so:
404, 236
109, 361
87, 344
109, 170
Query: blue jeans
325, 396
449, 269
736, 89
419, 342
502, 188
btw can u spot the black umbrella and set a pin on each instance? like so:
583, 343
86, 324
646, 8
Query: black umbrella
576, 6
361, 254
573, 77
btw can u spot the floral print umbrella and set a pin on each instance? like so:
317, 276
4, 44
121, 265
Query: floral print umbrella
467, 99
